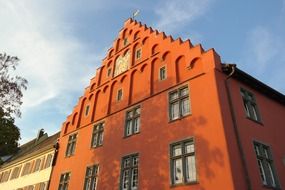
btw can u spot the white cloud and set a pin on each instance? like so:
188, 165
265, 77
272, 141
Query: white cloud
180, 12
55, 63
52, 61
196, 38
263, 49
264, 56
263, 46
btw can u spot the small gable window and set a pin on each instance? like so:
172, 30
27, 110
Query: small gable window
162, 73
109, 72
138, 53
87, 110
126, 42
119, 95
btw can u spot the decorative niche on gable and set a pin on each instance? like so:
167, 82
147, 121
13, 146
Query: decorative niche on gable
122, 63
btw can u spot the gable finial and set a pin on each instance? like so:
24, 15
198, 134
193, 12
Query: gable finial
135, 14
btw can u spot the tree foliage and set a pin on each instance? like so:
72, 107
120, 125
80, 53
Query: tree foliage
11, 87
9, 135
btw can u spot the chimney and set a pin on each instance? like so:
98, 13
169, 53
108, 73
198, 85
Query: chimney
40, 134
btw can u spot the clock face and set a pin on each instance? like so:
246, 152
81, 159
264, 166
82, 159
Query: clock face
122, 64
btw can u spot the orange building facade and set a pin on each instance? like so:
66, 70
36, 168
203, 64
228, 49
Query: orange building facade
164, 114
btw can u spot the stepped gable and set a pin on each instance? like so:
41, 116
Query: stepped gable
180, 56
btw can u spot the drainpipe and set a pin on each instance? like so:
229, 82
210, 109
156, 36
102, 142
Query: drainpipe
232, 67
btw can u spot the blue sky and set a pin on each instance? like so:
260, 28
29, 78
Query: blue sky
61, 43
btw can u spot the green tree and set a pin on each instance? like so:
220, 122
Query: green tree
11, 87
9, 135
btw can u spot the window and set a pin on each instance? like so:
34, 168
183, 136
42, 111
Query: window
5, 176
179, 104
26, 169
87, 110
16, 172
162, 73
37, 165
64, 180
183, 164
40, 186
126, 42
138, 53
132, 121
265, 165
71, 145
91, 178
109, 72
97, 135
48, 161
250, 105
119, 95
30, 187
130, 172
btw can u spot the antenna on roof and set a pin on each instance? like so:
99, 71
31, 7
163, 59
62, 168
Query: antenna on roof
135, 14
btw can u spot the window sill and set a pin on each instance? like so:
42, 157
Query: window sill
154, 54
256, 121
68, 156
127, 136
183, 184
271, 187
124, 46
160, 80
94, 147
180, 118
136, 39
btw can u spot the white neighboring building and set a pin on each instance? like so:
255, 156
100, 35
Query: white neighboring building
30, 168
